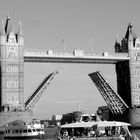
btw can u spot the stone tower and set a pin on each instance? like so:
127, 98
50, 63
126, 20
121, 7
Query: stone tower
134, 64
12, 75
128, 75
12, 67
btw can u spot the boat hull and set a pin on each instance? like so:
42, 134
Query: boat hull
25, 137
99, 138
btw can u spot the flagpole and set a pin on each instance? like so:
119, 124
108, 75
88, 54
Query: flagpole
91, 45
63, 44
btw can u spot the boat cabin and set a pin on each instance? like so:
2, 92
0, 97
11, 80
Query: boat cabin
92, 130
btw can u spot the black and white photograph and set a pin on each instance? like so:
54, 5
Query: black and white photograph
70, 69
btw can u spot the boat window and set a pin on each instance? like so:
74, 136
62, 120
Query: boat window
11, 131
1, 132
29, 130
93, 118
20, 131
25, 130
33, 130
7, 131
38, 130
16, 131
85, 118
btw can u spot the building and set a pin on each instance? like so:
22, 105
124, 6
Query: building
71, 117
56, 119
104, 113
77, 116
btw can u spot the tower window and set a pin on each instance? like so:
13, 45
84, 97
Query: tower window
138, 84
138, 54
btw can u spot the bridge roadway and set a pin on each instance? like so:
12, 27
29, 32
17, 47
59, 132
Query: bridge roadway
77, 56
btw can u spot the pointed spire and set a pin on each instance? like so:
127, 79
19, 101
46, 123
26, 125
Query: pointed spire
117, 44
130, 30
116, 38
20, 33
2, 28
130, 37
8, 26
130, 25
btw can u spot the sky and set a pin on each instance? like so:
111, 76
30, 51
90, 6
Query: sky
91, 25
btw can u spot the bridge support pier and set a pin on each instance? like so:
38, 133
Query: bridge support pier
6, 117
134, 117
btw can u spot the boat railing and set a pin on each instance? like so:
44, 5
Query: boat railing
108, 133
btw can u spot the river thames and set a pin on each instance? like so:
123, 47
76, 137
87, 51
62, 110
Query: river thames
135, 133
32, 139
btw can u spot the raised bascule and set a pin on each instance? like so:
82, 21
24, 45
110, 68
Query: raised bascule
13, 56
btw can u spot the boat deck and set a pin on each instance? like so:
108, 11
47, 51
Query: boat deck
99, 138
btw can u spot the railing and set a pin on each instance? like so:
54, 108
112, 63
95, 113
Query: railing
74, 54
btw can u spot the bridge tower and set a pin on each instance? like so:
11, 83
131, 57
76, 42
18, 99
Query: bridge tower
128, 74
12, 74
12, 68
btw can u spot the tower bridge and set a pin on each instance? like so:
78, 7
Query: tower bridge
12, 57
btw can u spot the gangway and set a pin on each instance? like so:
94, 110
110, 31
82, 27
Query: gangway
34, 98
114, 101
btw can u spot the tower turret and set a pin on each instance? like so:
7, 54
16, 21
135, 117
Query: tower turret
8, 26
130, 37
2, 34
20, 33
2, 31
117, 45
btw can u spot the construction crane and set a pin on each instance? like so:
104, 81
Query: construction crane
114, 101
34, 98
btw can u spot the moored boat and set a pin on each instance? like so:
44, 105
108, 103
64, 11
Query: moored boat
21, 130
102, 130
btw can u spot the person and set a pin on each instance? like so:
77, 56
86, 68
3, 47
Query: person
123, 131
124, 134
113, 130
106, 131
65, 133
92, 133
97, 133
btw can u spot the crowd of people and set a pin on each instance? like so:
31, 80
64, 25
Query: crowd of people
72, 133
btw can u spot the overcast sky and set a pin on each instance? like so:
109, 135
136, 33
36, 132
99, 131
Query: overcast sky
46, 23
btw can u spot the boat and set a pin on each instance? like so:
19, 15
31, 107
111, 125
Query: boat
101, 130
21, 130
